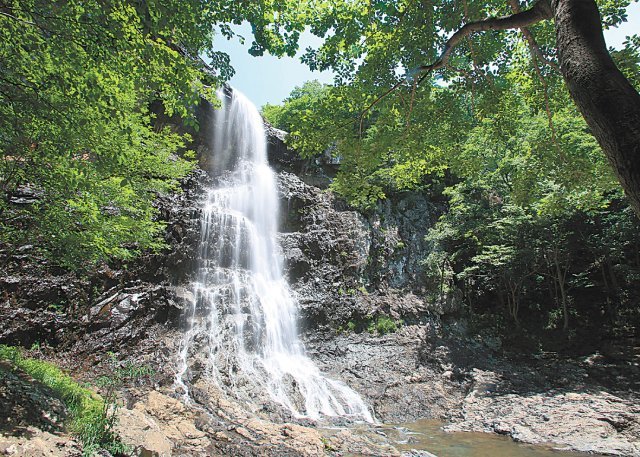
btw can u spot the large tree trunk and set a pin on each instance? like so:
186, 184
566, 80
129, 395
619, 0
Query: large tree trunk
608, 102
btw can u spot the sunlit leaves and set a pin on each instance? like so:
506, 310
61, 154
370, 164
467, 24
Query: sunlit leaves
76, 85
628, 60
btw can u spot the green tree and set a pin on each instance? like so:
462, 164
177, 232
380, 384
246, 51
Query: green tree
387, 49
77, 82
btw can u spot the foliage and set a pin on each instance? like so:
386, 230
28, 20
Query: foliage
628, 58
529, 191
534, 153
82, 85
570, 268
412, 136
374, 45
327, 444
382, 325
528, 188
299, 105
91, 418
86, 89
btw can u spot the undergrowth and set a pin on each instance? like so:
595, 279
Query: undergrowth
91, 418
380, 324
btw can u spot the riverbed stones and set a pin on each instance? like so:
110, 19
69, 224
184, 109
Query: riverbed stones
38, 443
586, 419
158, 423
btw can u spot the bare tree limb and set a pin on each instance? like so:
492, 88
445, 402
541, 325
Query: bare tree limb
538, 56
535, 49
10, 16
474, 58
376, 101
413, 98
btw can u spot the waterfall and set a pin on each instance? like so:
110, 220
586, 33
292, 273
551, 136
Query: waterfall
242, 318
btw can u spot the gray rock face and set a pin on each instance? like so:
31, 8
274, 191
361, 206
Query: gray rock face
399, 227
112, 307
386, 369
325, 249
280, 156
25, 195
347, 269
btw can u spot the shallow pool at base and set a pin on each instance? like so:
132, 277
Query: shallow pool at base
428, 435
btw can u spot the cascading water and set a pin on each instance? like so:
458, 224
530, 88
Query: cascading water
242, 313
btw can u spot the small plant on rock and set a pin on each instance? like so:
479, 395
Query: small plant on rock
382, 325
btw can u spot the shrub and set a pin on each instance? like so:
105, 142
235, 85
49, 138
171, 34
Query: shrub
382, 325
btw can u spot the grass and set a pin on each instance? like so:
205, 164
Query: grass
91, 419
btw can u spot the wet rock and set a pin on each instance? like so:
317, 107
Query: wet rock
523, 434
386, 370
414, 453
25, 327
361, 442
303, 440
163, 425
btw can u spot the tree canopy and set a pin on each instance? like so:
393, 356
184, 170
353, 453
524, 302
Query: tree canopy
392, 58
391, 124
536, 224
79, 79
77, 82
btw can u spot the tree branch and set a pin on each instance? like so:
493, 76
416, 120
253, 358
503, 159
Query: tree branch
540, 11
474, 60
538, 56
376, 101
534, 47
10, 16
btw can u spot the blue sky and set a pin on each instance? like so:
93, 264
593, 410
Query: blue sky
269, 79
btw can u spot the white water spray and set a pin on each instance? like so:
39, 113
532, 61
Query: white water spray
243, 315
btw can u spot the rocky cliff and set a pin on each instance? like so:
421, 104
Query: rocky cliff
365, 318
